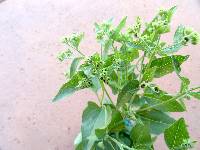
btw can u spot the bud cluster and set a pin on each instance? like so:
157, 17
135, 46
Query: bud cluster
98, 68
103, 29
191, 36
64, 55
84, 83
135, 30
74, 40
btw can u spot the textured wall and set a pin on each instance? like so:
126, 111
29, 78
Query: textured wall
30, 75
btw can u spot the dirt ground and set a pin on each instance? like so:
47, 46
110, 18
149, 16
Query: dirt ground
30, 75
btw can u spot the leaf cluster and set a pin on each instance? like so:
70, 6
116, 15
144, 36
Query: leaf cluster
128, 62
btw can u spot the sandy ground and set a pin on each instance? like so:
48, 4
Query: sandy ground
30, 75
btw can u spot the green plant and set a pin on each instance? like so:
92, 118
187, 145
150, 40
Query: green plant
128, 62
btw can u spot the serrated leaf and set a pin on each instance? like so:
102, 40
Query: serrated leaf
149, 74
165, 64
74, 65
157, 120
195, 95
176, 134
172, 106
127, 92
94, 118
69, 87
140, 135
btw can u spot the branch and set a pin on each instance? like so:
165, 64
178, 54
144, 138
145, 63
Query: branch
171, 99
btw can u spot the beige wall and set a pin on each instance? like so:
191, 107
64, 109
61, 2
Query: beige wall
30, 76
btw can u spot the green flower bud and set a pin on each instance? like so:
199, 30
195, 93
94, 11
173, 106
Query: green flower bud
156, 89
64, 55
143, 85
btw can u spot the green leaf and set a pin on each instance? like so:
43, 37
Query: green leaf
117, 123
107, 46
110, 145
140, 135
74, 65
120, 26
176, 134
95, 84
94, 118
171, 106
172, 49
195, 95
127, 92
99, 146
165, 64
185, 82
158, 120
179, 34
162, 16
176, 65
69, 87
124, 138
129, 55
149, 74
78, 142
114, 82
178, 38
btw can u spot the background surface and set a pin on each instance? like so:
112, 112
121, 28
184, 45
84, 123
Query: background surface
30, 74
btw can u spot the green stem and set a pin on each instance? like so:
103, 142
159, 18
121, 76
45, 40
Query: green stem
119, 78
98, 97
126, 73
76, 50
171, 99
151, 57
80, 53
101, 51
104, 89
141, 67
137, 63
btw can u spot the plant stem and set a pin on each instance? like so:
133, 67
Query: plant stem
141, 67
101, 51
137, 63
76, 50
171, 99
98, 97
150, 59
104, 89
126, 73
